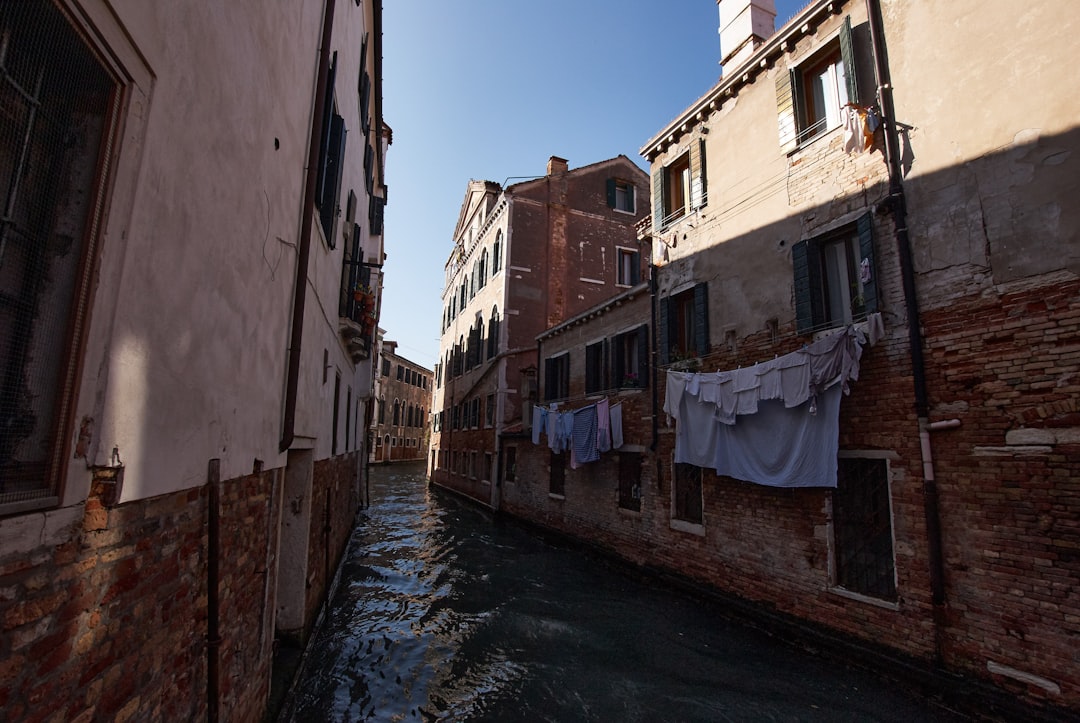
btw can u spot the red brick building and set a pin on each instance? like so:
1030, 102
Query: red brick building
401, 426
525, 258
865, 164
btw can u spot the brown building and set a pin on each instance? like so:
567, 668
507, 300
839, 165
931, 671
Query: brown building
525, 258
400, 428
865, 173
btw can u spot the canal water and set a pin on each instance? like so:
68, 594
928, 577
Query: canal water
444, 613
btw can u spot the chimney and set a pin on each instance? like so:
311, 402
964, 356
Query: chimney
744, 26
556, 165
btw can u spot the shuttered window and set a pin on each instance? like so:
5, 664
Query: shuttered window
683, 325
681, 186
810, 97
834, 277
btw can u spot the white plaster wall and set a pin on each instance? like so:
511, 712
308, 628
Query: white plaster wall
188, 344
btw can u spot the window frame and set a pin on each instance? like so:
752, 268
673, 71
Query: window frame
629, 494
557, 376
685, 479
627, 266
622, 195
843, 578
810, 282
683, 324
796, 128
633, 343
690, 193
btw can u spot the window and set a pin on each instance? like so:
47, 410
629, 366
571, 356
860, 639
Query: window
862, 528
628, 267
382, 411
482, 279
510, 464
811, 96
486, 471
331, 161
474, 413
834, 277
620, 195
630, 352
493, 334
557, 475
489, 416
54, 117
595, 367
684, 325
397, 412
400, 373
557, 377
630, 481
686, 490
472, 465
680, 187
496, 253
386, 367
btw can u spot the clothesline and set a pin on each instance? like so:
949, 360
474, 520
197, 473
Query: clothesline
586, 432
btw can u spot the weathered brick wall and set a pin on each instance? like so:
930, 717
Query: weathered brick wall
105, 618
1008, 367
334, 504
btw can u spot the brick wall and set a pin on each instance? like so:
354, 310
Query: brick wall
334, 502
106, 618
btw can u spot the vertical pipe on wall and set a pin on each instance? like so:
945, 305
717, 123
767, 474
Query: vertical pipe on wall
898, 206
303, 252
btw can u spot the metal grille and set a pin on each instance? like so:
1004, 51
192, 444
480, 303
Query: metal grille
863, 528
54, 113
688, 504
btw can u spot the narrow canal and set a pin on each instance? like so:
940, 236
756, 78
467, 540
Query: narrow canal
443, 613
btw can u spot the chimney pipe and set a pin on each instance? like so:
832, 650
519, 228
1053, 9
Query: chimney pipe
744, 26
556, 165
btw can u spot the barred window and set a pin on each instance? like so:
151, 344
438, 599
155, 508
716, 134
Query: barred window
57, 112
862, 528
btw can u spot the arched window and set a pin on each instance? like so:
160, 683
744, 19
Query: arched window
409, 416
382, 411
496, 256
482, 279
397, 412
493, 334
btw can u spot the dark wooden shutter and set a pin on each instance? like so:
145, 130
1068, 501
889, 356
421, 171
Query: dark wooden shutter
643, 355
847, 55
327, 121
701, 319
804, 317
611, 192
635, 268
865, 227
786, 117
618, 363
549, 379
593, 359
332, 188
658, 200
662, 328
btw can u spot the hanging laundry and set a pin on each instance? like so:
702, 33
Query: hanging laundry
539, 419
603, 425
584, 437
616, 426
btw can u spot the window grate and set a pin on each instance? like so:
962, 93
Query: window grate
863, 528
55, 110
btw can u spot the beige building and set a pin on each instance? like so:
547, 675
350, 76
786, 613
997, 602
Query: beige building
191, 245
401, 426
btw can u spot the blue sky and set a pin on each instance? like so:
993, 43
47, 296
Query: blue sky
489, 89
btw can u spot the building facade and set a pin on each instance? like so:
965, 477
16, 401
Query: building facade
866, 311
401, 428
525, 258
191, 251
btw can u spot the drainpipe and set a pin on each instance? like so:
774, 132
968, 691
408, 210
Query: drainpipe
898, 205
653, 297
303, 252
213, 577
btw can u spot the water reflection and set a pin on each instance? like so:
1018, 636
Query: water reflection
446, 614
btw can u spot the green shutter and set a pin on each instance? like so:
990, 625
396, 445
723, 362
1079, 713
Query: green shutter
785, 110
662, 328
865, 228
804, 317
643, 355
701, 319
611, 192
847, 55
704, 174
695, 175
658, 200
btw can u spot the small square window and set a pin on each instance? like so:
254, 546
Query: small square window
620, 195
